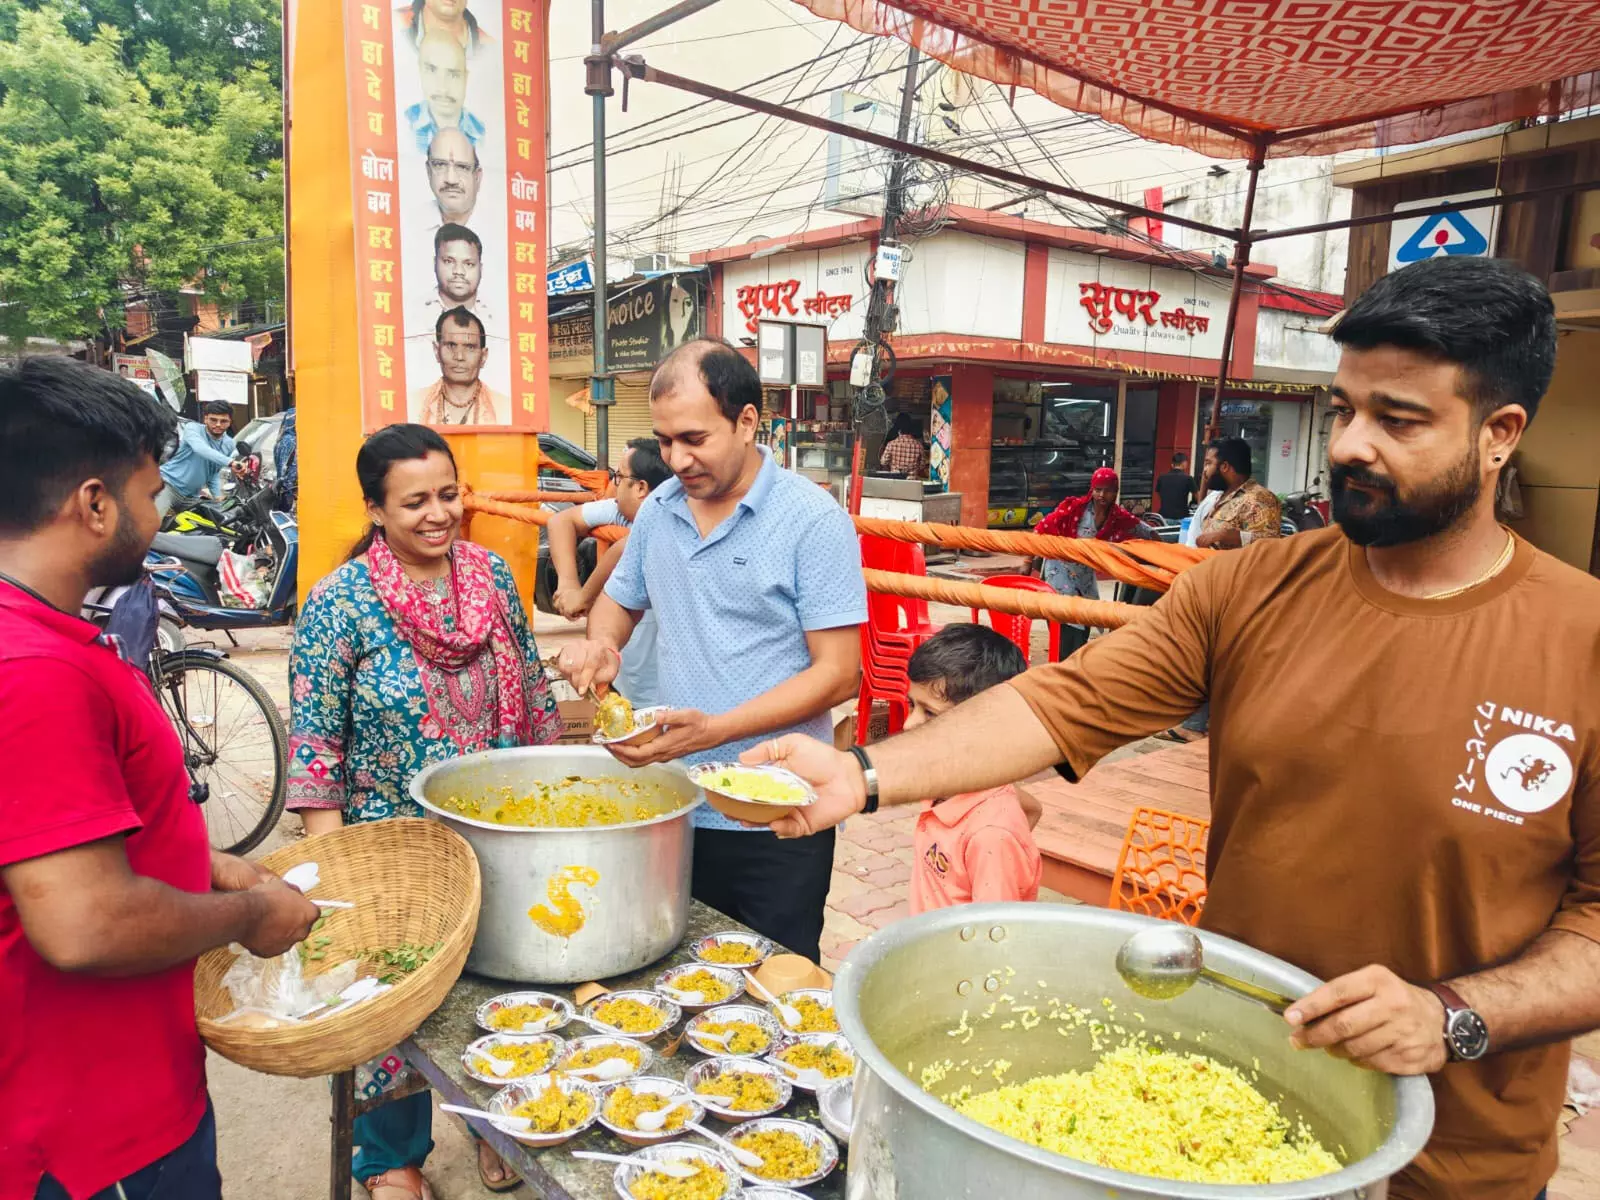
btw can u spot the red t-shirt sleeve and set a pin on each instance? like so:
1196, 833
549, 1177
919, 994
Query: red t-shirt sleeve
998, 865
63, 784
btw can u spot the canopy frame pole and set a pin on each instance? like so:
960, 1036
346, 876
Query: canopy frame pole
612, 42
1241, 260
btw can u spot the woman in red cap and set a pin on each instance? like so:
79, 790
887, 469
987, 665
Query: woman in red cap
1095, 515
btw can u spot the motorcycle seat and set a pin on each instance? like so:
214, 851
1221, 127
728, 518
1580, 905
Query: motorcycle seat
191, 547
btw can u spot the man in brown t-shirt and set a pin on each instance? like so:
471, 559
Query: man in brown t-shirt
1405, 755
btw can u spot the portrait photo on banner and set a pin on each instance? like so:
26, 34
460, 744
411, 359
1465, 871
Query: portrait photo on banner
450, 128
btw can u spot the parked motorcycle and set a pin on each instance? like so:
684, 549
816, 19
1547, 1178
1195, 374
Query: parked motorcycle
188, 570
1305, 510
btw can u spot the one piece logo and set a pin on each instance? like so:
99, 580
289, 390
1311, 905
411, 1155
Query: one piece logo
1528, 773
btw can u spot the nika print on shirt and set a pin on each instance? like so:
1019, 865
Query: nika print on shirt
1518, 756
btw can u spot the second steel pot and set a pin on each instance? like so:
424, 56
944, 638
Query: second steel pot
542, 921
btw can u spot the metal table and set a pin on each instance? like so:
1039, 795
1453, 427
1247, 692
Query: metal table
434, 1053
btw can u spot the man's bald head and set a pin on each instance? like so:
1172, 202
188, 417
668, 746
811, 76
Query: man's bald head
454, 174
442, 68
714, 365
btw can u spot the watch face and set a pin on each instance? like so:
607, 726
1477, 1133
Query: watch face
1468, 1035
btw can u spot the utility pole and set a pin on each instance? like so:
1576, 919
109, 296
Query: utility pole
882, 312
598, 85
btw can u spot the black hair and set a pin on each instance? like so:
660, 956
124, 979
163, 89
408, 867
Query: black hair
905, 423
61, 423
645, 462
461, 316
1236, 453
726, 374
451, 232
473, 32
391, 444
964, 660
1179, 459
1487, 316
216, 408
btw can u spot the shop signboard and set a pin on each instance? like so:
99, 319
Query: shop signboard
1116, 305
574, 277
646, 321
447, 160
824, 287
1466, 231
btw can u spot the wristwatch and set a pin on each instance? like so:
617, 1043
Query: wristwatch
870, 774
1466, 1036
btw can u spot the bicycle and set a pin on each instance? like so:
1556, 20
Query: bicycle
235, 745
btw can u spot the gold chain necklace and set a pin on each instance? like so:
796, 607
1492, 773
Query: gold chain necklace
1499, 565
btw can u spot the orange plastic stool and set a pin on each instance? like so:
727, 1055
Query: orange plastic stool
1161, 868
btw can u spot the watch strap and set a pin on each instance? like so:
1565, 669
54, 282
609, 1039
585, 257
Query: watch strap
870, 775
1449, 997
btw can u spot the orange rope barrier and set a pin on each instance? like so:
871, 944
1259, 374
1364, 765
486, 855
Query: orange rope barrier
1074, 610
522, 497
475, 503
1147, 564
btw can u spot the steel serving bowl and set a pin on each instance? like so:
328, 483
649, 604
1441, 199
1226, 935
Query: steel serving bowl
653, 1085
835, 1100
667, 984
808, 1133
482, 1047
713, 1069
575, 1046
746, 1013
636, 911
639, 1164
560, 1012
836, 1041
760, 945
906, 987
505, 1101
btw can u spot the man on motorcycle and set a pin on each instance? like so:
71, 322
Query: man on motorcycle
109, 890
195, 468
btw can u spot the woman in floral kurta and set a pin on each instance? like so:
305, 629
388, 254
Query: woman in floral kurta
415, 651
363, 725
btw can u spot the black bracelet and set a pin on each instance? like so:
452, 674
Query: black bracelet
871, 806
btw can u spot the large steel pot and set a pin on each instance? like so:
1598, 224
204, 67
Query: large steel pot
636, 911
907, 986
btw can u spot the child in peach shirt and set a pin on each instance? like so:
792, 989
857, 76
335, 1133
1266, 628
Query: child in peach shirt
977, 846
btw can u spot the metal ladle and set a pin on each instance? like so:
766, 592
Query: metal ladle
1164, 961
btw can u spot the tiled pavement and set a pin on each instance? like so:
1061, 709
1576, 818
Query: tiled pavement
871, 881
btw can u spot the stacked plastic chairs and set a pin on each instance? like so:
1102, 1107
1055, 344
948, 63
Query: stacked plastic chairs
1161, 869
1020, 629
896, 626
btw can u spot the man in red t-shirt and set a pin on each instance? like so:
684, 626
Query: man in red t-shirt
108, 887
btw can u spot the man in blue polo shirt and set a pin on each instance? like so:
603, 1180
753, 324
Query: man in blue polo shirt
754, 575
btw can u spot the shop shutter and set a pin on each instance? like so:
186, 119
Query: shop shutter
630, 415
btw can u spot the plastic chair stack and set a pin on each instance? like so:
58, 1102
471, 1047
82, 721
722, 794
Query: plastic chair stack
896, 626
1161, 868
1020, 629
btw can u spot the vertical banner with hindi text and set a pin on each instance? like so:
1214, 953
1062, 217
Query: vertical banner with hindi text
447, 110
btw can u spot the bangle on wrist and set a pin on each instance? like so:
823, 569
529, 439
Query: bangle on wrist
869, 776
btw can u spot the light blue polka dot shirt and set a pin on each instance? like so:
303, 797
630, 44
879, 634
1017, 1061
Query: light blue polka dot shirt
733, 608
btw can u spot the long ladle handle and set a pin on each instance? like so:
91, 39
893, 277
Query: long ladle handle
1276, 1001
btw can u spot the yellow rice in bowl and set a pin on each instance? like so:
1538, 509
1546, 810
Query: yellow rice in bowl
784, 1155
629, 1015
555, 1111
746, 1091
712, 990
624, 1105
594, 1055
744, 1037
1151, 1112
730, 954
513, 1017
833, 1062
707, 1183
815, 1016
526, 1058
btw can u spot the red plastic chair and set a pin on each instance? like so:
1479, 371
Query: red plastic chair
1020, 629
883, 677
1161, 869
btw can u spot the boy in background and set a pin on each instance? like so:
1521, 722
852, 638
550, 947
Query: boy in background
978, 846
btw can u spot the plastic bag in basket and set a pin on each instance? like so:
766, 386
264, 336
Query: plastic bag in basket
278, 987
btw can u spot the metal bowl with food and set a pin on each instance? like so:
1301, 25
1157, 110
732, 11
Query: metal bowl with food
813, 1059
734, 1031
772, 1193
645, 729
501, 1057
755, 795
695, 987
979, 999
732, 948
797, 1154
739, 1089
634, 1179
636, 1013
523, 1013
559, 1106
815, 1006
622, 1103
585, 862
584, 1057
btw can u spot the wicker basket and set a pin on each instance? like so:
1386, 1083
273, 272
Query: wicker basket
412, 881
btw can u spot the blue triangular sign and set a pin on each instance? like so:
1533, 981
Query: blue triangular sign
1432, 238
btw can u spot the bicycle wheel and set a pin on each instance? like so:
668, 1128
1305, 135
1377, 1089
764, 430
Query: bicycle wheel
235, 747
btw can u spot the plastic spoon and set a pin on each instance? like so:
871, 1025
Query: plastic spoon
670, 1169
334, 903
787, 1013
683, 997
744, 1157
303, 876
607, 1071
654, 1122
600, 1026
808, 1077
498, 1067
514, 1124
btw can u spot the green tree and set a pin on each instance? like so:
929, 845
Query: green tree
140, 146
